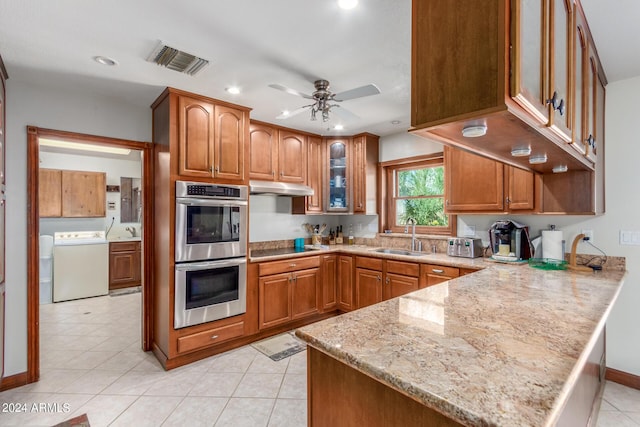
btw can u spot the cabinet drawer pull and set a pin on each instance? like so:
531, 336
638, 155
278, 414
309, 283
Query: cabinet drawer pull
437, 270
213, 337
292, 265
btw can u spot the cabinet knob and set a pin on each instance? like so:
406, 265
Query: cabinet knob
507, 200
446, 202
387, 280
379, 278
553, 101
561, 107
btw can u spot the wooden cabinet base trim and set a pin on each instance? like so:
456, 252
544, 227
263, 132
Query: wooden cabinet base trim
623, 378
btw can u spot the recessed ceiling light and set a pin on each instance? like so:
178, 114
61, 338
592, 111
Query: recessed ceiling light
395, 122
104, 60
285, 112
338, 127
347, 4
474, 131
560, 169
521, 151
234, 90
537, 159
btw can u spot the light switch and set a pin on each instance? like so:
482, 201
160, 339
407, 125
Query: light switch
629, 237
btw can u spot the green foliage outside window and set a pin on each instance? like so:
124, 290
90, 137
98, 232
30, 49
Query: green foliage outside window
421, 196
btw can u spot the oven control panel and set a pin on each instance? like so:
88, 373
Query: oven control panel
199, 189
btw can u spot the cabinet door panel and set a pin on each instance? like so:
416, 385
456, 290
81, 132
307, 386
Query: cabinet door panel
263, 152
50, 193
229, 143
368, 287
359, 174
329, 282
314, 174
292, 157
581, 108
339, 172
396, 285
195, 123
345, 283
275, 300
472, 183
561, 79
83, 194
521, 195
305, 293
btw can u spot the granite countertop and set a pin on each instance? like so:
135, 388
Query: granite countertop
503, 346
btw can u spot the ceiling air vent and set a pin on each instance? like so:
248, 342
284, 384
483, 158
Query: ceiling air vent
177, 60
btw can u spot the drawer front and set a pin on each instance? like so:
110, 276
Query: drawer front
293, 264
369, 263
210, 337
405, 268
124, 246
440, 270
464, 271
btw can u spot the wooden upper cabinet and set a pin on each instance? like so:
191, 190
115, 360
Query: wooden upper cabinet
592, 105
229, 143
477, 184
364, 170
472, 183
211, 139
561, 69
263, 141
581, 92
292, 157
196, 136
339, 174
50, 193
529, 80
83, 194
314, 174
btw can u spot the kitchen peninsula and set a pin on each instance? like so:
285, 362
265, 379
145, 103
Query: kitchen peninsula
506, 346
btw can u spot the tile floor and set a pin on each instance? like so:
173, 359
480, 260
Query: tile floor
91, 363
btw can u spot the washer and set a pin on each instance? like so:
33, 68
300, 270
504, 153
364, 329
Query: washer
80, 265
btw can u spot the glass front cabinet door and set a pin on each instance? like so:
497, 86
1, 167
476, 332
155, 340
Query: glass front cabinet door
339, 175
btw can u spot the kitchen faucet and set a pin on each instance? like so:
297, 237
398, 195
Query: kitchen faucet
413, 233
131, 230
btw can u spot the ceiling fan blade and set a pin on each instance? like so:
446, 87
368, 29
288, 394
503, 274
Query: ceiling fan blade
294, 112
343, 113
290, 91
358, 92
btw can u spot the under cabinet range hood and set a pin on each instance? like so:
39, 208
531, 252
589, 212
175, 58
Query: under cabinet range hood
279, 188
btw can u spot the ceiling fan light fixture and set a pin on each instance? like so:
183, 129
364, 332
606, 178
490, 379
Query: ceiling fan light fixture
338, 127
347, 4
105, 60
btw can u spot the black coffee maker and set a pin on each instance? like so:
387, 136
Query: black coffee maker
510, 240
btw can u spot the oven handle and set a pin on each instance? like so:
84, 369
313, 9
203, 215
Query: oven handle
194, 266
209, 202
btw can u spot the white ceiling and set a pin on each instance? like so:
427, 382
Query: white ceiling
251, 44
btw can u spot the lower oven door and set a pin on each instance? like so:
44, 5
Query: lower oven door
208, 291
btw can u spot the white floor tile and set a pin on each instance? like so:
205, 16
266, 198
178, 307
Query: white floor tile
53, 380
196, 412
92, 382
101, 410
259, 385
216, 384
148, 411
614, 419
123, 361
174, 384
621, 397
294, 386
133, 383
234, 361
289, 413
241, 412
263, 365
298, 363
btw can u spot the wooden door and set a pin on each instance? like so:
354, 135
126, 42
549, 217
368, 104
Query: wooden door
345, 283
396, 285
195, 136
314, 174
124, 264
581, 92
83, 194
329, 282
229, 139
263, 158
472, 183
530, 57
275, 300
50, 193
292, 157
520, 189
368, 287
561, 68
305, 293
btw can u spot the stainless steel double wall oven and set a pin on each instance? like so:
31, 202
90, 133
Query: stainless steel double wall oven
210, 252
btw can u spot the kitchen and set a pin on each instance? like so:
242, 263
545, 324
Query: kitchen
30, 97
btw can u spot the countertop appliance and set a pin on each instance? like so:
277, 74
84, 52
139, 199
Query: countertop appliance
464, 247
80, 265
510, 241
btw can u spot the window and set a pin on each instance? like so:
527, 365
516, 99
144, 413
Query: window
415, 190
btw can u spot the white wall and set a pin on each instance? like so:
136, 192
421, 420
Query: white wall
114, 170
49, 107
622, 207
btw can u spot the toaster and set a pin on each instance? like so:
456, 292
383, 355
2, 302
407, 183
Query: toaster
465, 247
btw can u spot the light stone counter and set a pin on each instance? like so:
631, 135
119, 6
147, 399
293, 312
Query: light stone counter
503, 346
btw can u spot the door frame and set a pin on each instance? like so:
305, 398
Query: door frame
33, 233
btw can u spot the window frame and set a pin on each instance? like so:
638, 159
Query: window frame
388, 186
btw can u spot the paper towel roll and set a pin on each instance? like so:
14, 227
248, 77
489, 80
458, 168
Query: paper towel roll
552, 244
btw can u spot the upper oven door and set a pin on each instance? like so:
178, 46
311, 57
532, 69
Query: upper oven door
210, 229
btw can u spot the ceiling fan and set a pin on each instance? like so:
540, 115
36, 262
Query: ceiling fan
324, 100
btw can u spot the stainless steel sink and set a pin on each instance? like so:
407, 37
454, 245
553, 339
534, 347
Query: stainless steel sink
398, 252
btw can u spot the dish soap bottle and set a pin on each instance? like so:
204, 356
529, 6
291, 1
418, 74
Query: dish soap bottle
352, 240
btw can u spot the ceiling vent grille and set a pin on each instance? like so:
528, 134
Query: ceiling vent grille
177, 60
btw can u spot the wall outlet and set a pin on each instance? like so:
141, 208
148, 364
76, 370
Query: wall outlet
588, 234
